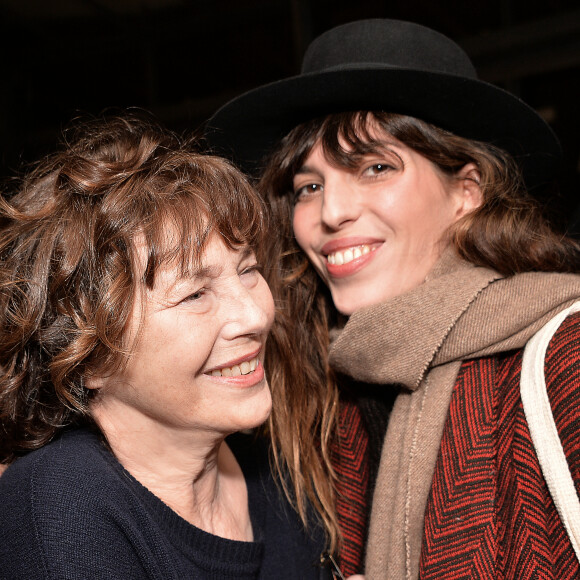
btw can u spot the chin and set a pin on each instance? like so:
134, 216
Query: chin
257, 413
348, 307
357, 298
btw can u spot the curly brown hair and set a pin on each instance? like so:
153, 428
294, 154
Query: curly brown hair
68, 273
508, 232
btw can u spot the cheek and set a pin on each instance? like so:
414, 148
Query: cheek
442, 220
266, 302
426, 217
302, 224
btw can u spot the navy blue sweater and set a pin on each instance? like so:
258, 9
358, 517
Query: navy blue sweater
71, 511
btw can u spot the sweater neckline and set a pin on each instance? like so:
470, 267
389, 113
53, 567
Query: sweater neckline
205, 549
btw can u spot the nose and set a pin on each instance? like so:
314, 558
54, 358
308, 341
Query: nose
249, 311
339, 204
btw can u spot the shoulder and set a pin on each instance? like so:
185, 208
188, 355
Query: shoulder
67, 458
73, 461
69, 476
566, 338
562, 375
56, 504
562, 363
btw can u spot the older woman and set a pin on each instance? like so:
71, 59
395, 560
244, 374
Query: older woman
133, 319
415, 266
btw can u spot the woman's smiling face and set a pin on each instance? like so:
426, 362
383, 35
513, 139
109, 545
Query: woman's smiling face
197, 358
374, 232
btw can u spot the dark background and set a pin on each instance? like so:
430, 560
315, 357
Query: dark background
182, 59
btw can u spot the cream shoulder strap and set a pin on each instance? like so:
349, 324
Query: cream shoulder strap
543, 429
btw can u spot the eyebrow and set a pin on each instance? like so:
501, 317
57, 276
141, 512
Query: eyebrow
214, 269
305, 169
203, 272
386, 145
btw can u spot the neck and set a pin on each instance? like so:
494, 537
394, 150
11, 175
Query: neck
192, 471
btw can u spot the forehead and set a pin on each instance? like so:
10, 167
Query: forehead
348, 150
365, 136
169, 247
373, 146
175, 260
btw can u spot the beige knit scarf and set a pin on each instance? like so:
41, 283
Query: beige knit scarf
419, 340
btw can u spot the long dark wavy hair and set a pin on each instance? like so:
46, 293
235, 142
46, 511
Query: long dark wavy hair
508, 233
68, 273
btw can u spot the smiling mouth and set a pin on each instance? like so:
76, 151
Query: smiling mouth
244, 368
341, 257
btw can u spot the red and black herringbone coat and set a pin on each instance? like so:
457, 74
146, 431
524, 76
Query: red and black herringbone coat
489, 513
459, 492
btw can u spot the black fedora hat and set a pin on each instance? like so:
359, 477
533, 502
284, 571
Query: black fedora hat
393, 66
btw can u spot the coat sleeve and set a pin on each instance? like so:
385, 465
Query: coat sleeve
562, 369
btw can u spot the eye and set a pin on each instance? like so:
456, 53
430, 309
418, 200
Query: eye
251, 274
195, 296
376, 169
306, 191
252, 269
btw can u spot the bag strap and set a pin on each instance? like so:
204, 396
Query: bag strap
543, 428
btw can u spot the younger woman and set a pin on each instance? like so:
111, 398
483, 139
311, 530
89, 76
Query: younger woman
415, 264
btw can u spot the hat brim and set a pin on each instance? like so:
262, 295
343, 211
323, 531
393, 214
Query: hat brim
249, 126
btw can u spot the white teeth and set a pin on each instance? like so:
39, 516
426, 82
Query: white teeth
244, 368
345, 256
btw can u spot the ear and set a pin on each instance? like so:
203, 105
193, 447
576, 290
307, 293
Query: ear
468, 189
94, 382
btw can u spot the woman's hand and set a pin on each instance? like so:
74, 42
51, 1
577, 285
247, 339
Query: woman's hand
356, 577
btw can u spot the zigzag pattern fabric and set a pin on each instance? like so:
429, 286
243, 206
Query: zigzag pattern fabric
490, 514
349, 456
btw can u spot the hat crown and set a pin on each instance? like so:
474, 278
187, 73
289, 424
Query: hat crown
384, 43
394, 66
